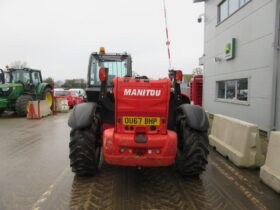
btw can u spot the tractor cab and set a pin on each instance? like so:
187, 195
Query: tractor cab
27, 77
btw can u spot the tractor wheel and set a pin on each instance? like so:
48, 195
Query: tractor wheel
192, 152
85, 150
22, 105
47, 95
1, 111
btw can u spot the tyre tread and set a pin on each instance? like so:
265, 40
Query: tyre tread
21, 103
191, 159
82, 154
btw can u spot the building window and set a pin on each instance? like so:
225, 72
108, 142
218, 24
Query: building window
223, 11
242, 89
230, 89
233, 90
242, 2
233, 6
221, 89
228, 7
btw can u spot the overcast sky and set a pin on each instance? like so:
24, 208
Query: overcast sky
57, 36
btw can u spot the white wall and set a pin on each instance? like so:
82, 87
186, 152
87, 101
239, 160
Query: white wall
253, 26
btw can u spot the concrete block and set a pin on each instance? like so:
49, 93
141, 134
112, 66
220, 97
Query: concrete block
210, 120
38, 109
270, 172
61, 105
237, 140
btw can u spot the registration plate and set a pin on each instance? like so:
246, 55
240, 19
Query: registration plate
141, 120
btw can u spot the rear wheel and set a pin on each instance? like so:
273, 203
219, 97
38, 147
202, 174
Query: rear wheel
22, 105
85, 150
1, 111
192, 152
47, 95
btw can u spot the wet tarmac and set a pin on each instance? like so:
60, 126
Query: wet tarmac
35, 174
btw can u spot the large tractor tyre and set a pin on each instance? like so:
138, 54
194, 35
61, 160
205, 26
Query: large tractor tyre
192, 152
22, 105
86, 150
47, 95
1, 111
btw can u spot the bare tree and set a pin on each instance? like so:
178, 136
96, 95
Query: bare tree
18, 64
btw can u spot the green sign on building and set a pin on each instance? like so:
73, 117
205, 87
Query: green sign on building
230, 49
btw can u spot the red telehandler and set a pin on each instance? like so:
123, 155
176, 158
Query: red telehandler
135, 121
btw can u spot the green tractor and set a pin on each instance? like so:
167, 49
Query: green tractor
19, 86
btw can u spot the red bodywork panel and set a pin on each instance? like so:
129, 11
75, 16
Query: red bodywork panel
136, 154
140, 136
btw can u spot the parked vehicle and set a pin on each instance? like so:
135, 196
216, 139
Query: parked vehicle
135, 121
19, 86
72, 97
80, 92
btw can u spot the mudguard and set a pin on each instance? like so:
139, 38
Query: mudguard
195, 116
82, 115
41, 87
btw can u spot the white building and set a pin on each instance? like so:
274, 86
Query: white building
241, 60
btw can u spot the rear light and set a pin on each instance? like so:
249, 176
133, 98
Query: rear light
102, 50
102, 74
179, 76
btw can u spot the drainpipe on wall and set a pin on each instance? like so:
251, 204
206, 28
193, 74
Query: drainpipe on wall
276, 49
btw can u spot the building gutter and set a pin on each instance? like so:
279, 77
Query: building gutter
275, 82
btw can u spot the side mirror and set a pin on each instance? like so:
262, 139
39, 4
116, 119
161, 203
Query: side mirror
103, 74
179, 76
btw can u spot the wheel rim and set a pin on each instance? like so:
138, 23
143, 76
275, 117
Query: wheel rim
48, 98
